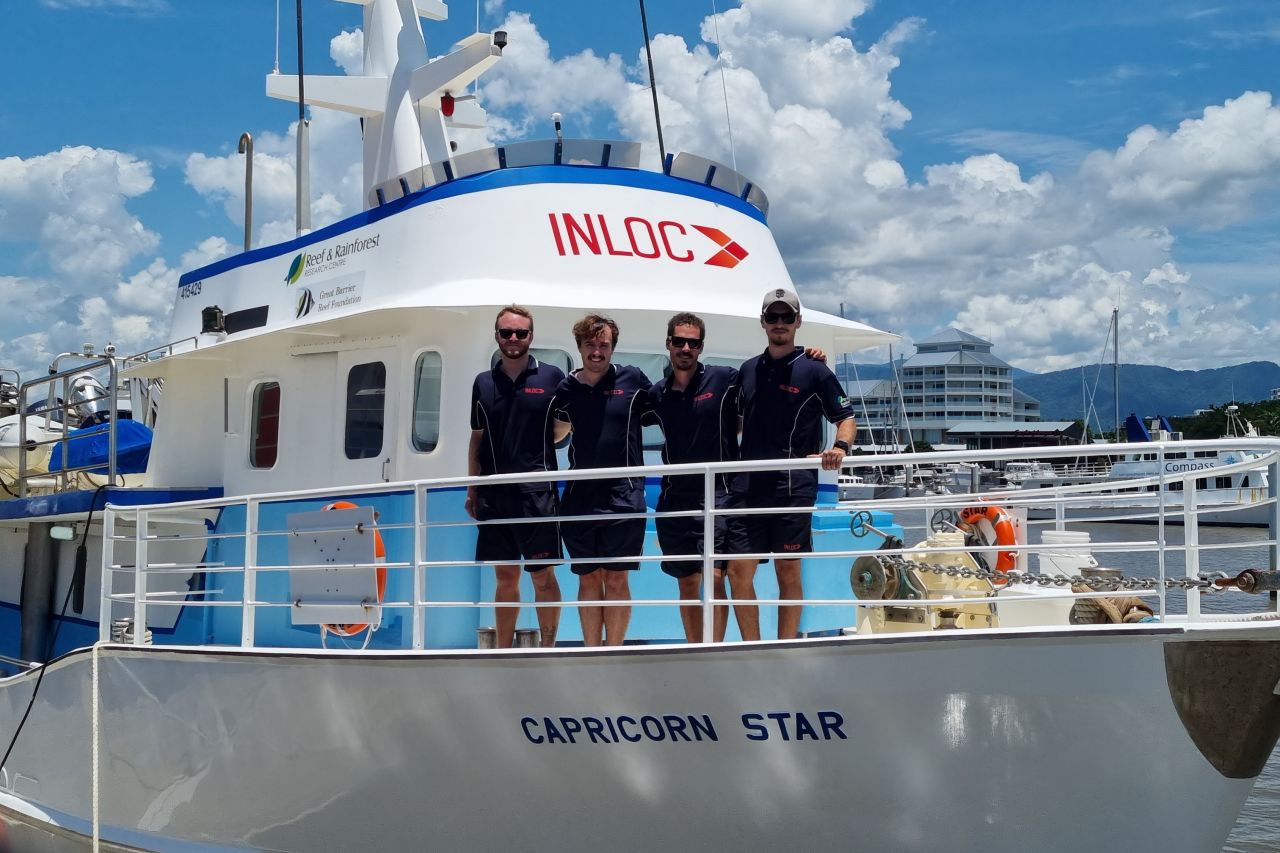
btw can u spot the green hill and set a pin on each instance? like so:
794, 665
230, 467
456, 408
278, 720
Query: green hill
1148, 390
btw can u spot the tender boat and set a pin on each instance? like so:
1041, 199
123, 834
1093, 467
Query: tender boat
174, 685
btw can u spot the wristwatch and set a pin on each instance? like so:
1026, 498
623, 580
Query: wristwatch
842, 445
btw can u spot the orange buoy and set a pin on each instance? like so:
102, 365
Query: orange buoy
379, 556
1002, 523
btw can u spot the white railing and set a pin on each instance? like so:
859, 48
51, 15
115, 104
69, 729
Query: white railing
150, 552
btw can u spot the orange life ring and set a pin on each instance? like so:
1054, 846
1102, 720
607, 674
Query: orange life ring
380, 556
1002, 523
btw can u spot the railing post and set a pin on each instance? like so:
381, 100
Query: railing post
1160, 543
140, 579
708, 554
1191, 539
419, 557
113, 416
247, 617
1273, 521
108, 576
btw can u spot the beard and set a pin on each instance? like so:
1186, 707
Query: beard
513, 349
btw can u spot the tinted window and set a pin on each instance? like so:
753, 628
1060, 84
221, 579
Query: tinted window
366, 406
264, 430
426, 402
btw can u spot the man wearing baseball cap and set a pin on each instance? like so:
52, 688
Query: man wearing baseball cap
782, 401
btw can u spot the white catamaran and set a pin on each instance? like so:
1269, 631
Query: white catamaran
169, 581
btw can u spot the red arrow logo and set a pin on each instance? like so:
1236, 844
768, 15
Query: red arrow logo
731, 252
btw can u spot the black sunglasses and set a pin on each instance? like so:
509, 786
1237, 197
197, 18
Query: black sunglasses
678, 342
787, 317
508, 334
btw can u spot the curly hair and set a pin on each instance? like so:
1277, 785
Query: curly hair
591, 326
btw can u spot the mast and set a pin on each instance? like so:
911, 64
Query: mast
1115, 365
406, 113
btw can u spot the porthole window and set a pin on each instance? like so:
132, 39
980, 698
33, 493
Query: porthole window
366, 410
426, 402
264, 430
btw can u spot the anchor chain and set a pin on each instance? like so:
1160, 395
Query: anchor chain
1205, 583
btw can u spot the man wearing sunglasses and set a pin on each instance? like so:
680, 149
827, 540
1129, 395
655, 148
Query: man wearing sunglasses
783, 398
695, 405
604, 406
511, 432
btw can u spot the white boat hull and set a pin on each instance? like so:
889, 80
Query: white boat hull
1036, 740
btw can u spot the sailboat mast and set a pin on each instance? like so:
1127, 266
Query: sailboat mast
1115, 365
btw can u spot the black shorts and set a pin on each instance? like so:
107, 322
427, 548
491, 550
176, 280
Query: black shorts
605, 538
514, 542
683, 535
775, 533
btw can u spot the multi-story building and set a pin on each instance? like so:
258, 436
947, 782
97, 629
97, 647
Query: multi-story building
952, 379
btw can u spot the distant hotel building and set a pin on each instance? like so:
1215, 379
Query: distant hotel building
952, 382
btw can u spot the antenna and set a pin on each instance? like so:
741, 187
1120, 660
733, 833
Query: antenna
555, 118
653, 83
724, 88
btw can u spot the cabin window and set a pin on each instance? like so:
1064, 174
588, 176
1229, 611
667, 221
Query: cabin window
264, 430
426, 402
1222, 482
366, 409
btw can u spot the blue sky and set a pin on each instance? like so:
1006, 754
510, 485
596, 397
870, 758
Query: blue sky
1009, 167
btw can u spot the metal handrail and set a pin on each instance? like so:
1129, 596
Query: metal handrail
62, 403
143, 516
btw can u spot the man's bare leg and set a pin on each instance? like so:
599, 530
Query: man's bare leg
591, 588
789, 587
721, 619
742, 580
508, 590
691, 615
546, 589
617, 587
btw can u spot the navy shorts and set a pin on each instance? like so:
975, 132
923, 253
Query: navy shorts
684, 535
774, 533
514, 542
606, 538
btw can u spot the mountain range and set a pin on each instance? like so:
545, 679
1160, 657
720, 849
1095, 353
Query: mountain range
1145, 389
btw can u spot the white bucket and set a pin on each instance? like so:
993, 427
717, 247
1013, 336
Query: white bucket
1067, 562
1065, 537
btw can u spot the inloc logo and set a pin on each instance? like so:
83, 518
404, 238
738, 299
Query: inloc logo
593, 234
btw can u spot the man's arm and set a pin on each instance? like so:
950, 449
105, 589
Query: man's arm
473, 468
834, 455
560, 430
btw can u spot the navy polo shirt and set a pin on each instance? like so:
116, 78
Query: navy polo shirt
515, 416
700, 424
606, 418
783, 403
